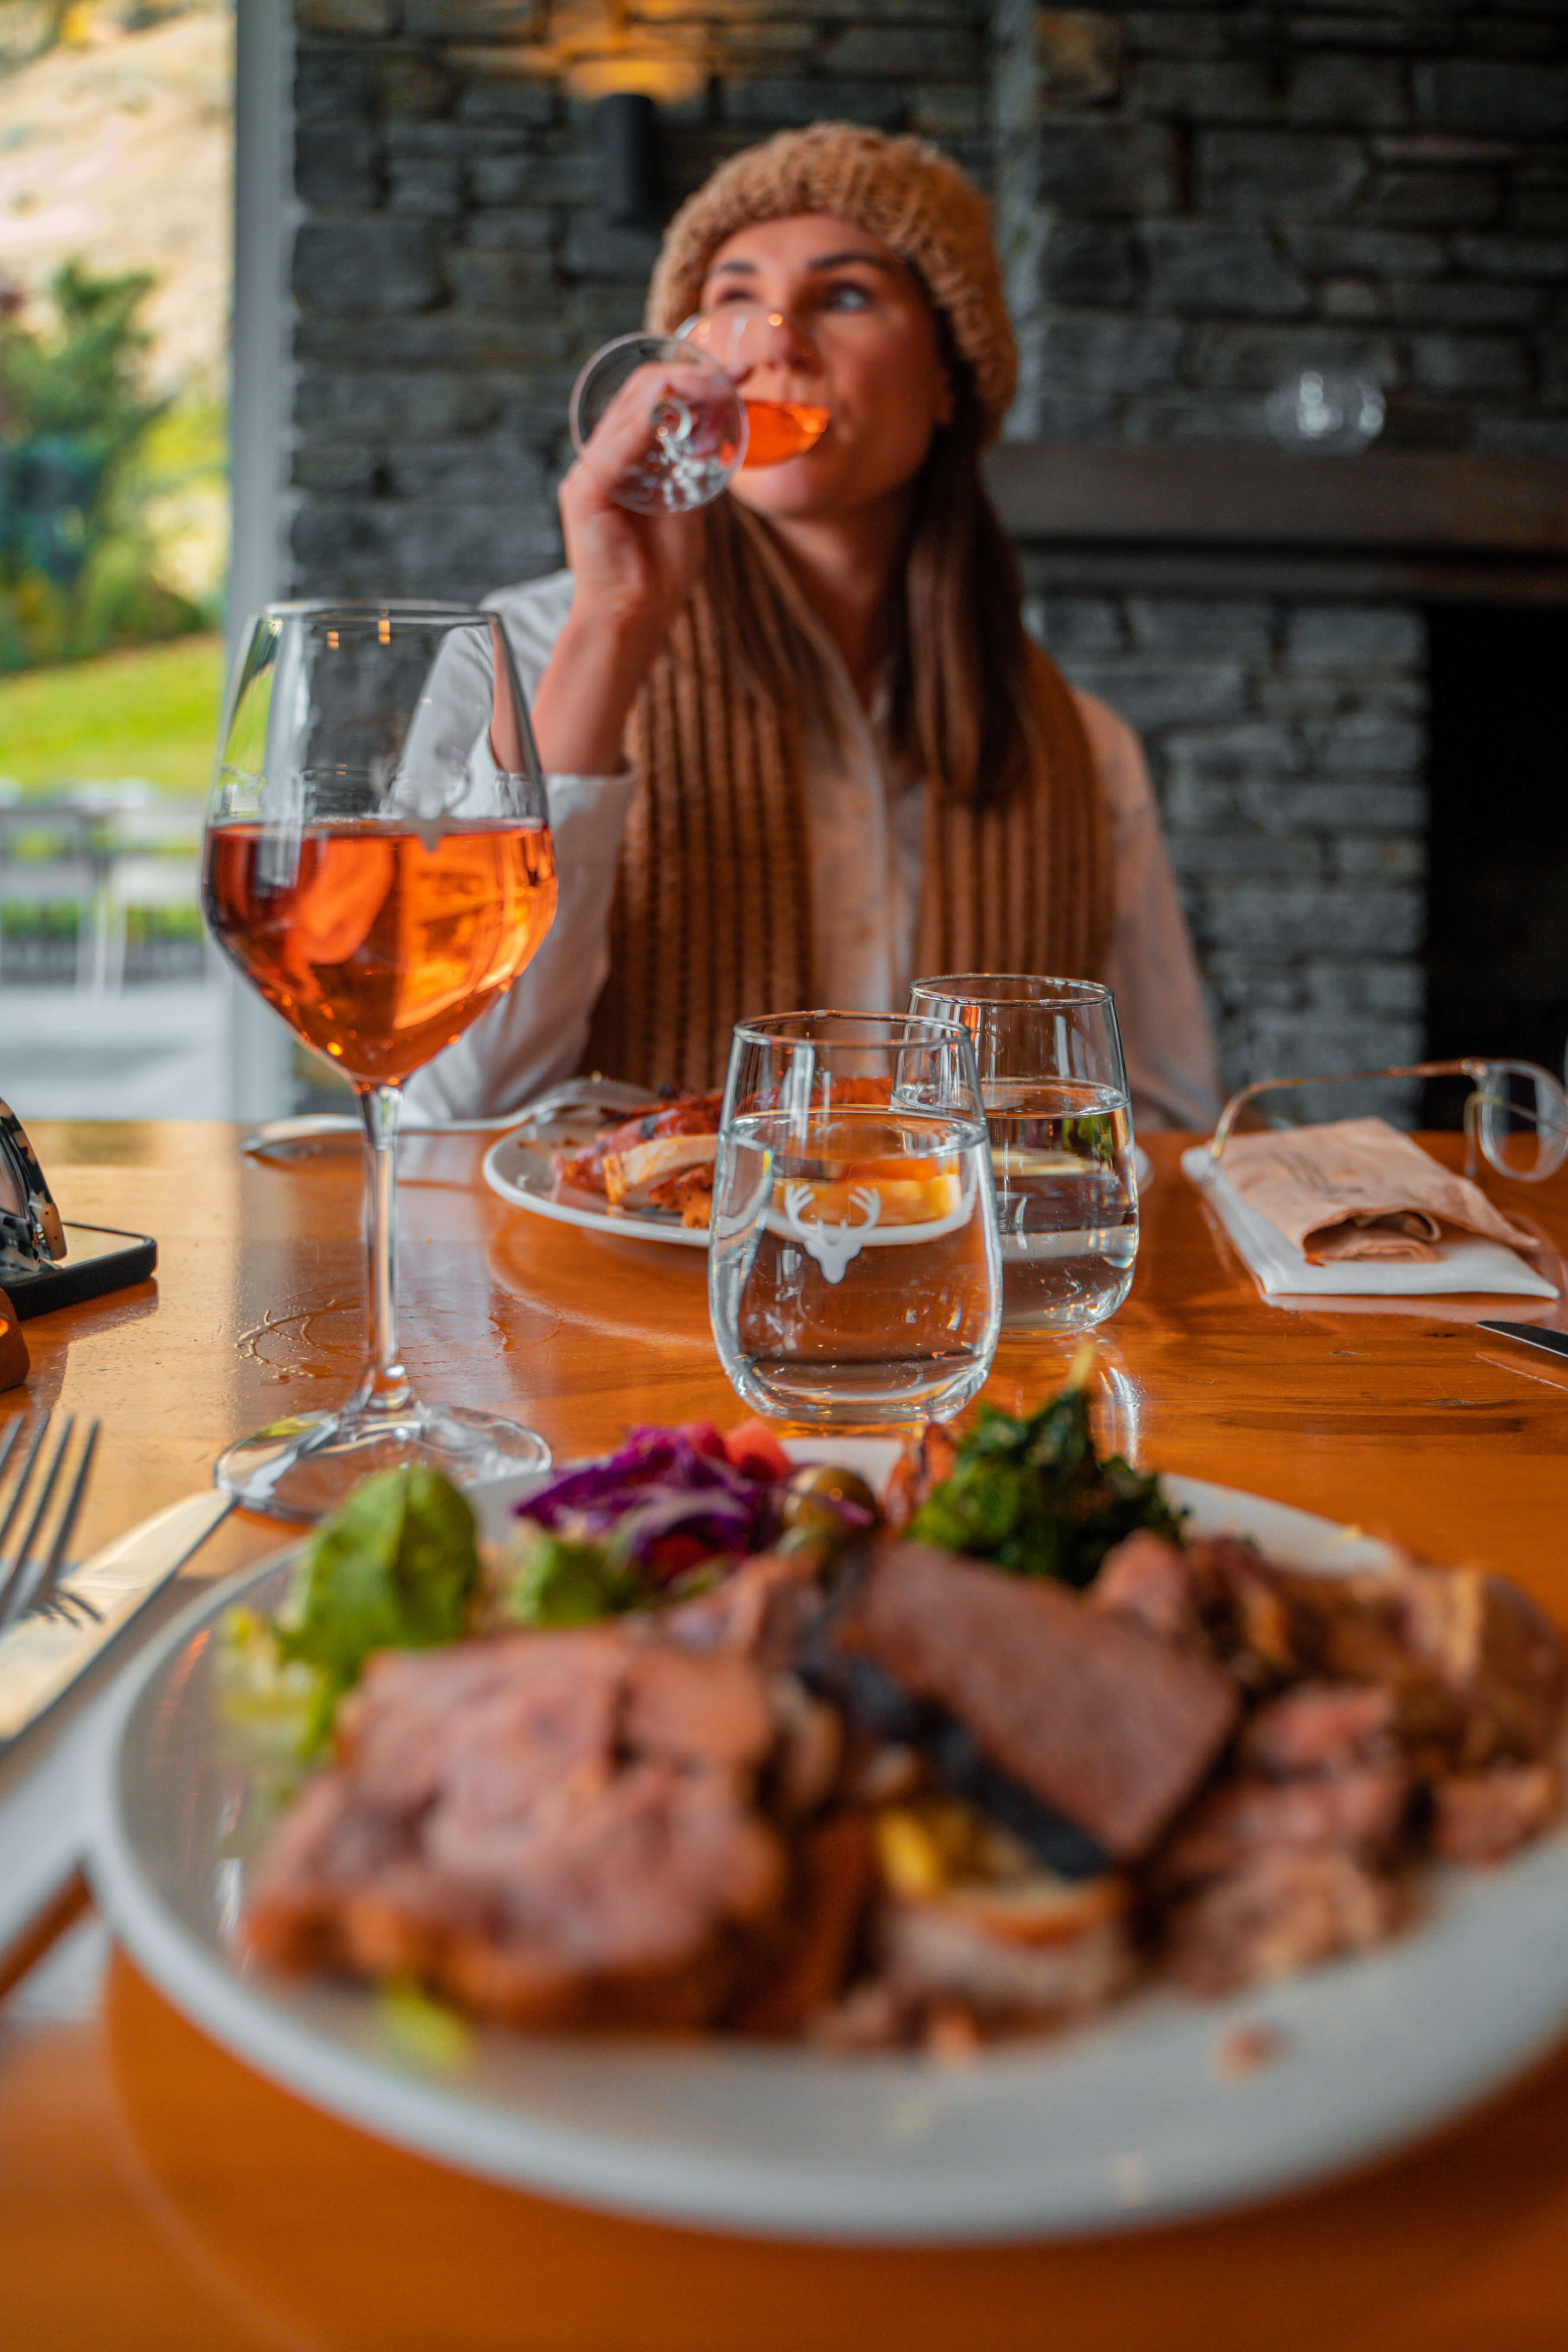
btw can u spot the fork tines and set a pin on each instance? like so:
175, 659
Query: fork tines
32, 1565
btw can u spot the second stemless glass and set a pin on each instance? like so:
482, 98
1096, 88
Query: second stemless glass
378, 865
854, 1278
1055, 1087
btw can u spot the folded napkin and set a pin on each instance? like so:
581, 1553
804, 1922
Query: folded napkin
1459, 1262
1357, 1188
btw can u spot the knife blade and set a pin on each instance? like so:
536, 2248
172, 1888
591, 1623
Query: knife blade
42, 1656
1533, 1335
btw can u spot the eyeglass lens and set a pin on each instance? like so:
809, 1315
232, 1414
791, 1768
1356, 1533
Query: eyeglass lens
1521, 1119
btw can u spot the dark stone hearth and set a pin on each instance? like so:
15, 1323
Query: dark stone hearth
1499, 971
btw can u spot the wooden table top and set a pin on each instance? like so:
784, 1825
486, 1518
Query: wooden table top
160, 2194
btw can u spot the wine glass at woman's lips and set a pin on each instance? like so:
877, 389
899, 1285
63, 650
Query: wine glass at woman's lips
775, 365
665, 421
378, 865
781, 429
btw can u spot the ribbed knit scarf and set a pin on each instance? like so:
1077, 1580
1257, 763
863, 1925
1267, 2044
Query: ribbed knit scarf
711, 921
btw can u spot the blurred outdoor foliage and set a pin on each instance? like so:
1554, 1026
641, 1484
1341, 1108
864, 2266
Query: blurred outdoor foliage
79, 475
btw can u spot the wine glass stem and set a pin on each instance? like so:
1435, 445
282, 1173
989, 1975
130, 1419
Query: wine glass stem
386, 1387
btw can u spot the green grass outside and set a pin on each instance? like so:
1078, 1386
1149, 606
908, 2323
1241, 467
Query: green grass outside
150, 712
189, 439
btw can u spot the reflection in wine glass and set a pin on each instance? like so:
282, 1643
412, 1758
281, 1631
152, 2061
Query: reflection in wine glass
774, 364
378, 865
667, 421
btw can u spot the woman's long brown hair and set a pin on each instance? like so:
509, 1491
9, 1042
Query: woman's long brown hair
962, 712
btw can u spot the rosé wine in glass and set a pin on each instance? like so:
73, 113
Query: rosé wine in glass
778, 429
387, 943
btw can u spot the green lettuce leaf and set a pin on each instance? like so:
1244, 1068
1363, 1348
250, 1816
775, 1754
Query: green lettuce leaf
393, 1569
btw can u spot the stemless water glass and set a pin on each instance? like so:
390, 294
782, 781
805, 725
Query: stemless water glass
378, 865
1055, 1088
854, 1277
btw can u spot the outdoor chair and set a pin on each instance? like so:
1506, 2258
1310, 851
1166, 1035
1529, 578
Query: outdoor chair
50, 857
153, 854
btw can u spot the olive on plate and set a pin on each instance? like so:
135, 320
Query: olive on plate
827, 1498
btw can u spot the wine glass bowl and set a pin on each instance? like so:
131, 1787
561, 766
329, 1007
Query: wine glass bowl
378, 867
380, 948
658, 422
665, 421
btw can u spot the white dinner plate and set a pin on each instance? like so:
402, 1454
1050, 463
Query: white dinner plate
519, 1168
1134, 2119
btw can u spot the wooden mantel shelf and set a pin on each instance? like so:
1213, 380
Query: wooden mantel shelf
1389, 522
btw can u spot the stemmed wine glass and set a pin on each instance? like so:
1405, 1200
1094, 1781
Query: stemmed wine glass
378, 865
667, 421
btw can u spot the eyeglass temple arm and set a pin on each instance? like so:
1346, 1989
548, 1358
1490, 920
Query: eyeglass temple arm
1469, 1068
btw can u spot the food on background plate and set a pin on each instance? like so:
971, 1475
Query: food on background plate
770, 1768
662, 1157
658, 1158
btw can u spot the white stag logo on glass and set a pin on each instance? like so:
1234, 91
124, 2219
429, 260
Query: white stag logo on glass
832, 1244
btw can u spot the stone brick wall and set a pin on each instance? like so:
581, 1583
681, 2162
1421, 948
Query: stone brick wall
453, 266
1196, 202
1288, 743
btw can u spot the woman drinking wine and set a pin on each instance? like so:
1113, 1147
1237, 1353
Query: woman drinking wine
800, 747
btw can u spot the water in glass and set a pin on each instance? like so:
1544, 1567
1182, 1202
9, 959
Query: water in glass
854, 1277
1054, 1089
1067, 1200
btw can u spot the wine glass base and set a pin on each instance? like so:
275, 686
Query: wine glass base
305, 1466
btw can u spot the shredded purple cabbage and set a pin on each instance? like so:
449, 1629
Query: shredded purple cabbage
658, 1484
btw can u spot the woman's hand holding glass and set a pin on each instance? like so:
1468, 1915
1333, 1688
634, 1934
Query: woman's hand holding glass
665, 421
378, 865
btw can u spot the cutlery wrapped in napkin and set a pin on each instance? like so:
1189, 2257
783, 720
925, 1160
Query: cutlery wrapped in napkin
1356, 1188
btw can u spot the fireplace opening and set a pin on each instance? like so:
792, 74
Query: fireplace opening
1497, 939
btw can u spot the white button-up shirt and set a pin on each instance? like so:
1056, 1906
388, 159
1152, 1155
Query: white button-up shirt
867, 831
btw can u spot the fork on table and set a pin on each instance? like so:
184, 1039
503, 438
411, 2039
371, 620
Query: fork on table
32, 1564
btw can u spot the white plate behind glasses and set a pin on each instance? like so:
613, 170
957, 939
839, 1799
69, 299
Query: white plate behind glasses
519, 1168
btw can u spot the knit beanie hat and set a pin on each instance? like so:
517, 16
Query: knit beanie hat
903, 190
